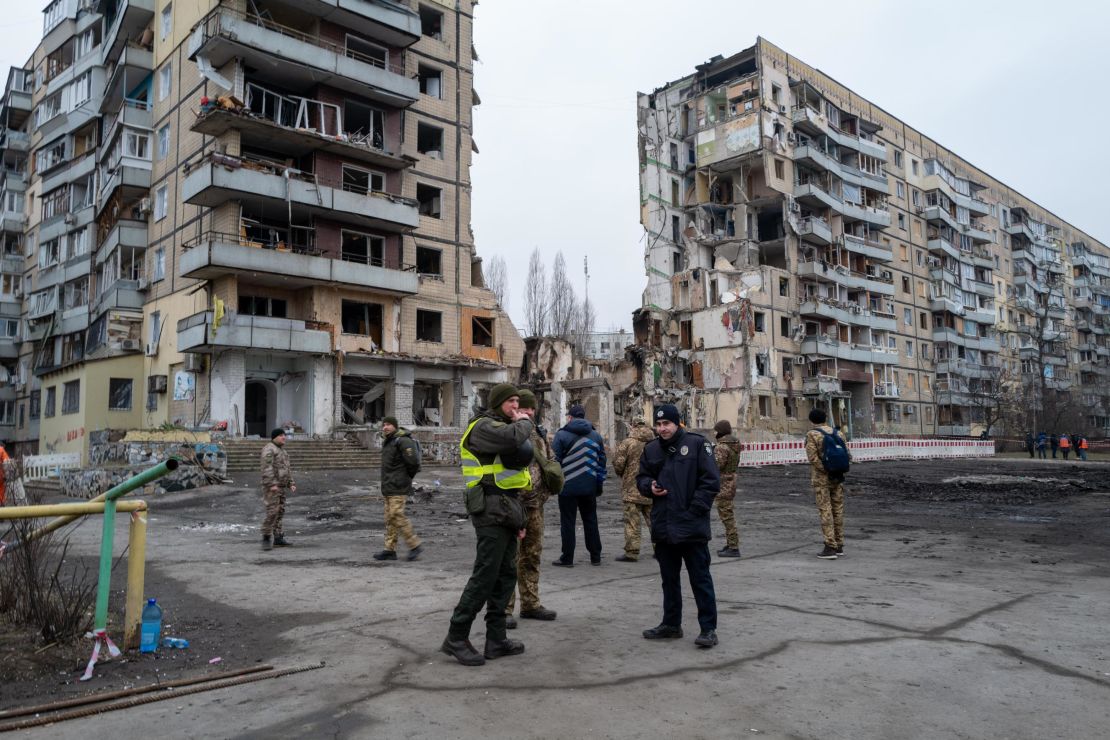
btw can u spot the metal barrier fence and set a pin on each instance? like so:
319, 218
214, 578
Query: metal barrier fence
865, 450
36, 467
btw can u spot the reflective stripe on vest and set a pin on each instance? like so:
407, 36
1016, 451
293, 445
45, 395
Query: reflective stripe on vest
473, 470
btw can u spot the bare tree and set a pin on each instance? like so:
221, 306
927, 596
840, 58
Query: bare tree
535, 296
562, 300
497, 280
585, 318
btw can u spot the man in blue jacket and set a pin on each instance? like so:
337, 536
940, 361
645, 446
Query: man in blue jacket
581, 451
678, 472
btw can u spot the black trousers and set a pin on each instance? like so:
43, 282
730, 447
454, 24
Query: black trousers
569, 507
696, 557
491, 584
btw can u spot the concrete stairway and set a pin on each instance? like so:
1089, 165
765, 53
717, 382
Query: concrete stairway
243, 455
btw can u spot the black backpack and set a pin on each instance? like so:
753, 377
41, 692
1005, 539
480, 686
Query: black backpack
834, 454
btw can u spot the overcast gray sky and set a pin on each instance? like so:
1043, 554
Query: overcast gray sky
1014, 87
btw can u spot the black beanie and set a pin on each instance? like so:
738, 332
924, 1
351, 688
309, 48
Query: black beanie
722, 428
391, 420
276, 433
668, 412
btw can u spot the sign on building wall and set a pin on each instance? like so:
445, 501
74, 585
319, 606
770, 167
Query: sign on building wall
729, 139
184, 386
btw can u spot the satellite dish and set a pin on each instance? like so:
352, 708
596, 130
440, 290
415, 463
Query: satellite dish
728, 297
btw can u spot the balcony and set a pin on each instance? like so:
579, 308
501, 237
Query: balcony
15, 141
135, 65
815, 230
965, 369
980, 287
297, 142
9, 347
978, 232
128, 21
303, 60
213, 255
123, 295
820, 345
391, 23
220, 178
943, 247
938, 214
848, 278
124, 233
849, 313
813, 156
820, 385
886, 389
198, 333
866, 247
875, 216
130, 174
813, 194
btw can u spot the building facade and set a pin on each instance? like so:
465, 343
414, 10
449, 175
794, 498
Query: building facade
249, 212
805, 248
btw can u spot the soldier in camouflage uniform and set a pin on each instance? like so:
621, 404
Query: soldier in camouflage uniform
828, 490
547, 478
626, 463
727, 455
277, 480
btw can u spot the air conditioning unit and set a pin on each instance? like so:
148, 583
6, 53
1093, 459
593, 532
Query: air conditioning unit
795, 207
800, 360
151, 349
131, 345
791, 138
782, 109
144, 207
70, 218
919, 210
194, 363
143, 283
888, 275
157, 384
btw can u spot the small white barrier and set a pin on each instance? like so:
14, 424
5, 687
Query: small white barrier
36, 467
868, 450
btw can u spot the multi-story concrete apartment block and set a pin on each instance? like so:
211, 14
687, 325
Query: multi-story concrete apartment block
249, 212
806, 248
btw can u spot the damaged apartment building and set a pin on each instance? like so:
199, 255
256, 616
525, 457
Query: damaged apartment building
805, 248
244, 212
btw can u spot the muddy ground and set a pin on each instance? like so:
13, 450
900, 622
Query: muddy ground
971, 603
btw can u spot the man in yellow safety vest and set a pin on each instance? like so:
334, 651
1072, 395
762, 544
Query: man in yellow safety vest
496, 454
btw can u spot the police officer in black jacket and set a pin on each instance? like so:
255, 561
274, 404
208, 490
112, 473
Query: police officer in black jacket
678, 472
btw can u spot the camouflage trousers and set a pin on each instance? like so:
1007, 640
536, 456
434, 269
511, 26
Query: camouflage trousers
275, 510
528, 563
397, 524
633, 514
830, 503
728, 518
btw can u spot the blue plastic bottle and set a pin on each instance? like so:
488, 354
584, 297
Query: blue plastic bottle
151, 632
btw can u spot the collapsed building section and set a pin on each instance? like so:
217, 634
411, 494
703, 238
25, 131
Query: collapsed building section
804, 248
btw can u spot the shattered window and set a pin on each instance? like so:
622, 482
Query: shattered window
119, 394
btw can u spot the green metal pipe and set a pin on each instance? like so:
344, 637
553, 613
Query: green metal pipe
126, 486
107, 537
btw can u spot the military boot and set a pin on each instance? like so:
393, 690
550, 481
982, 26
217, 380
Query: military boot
462, 651
385, 555
266, 544
280, 541
500, 648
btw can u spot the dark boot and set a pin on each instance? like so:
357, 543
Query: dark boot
625, 559
707, 639
540, 613
414, 553
728, 552
385, 555
280, 541
462, 651
662, 632
562, 563
266, 544
501, 648
510, 621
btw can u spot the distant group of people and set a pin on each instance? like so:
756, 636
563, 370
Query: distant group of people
1058, 443
670, 479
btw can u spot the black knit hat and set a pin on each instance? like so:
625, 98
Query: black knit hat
667, 412
390, 420
278, 432
577, 411
722, 428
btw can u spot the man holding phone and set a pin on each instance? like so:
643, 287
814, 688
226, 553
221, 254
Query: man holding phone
678, 472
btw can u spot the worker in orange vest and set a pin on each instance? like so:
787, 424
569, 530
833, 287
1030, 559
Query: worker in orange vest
1082, 448
4, 458
1065, 445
